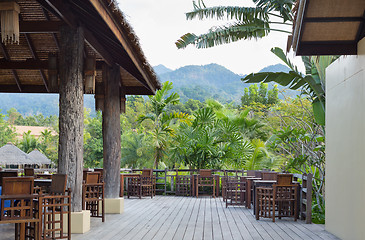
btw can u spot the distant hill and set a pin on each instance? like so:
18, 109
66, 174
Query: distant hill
161, 69
32, 104
196, 82
211, 81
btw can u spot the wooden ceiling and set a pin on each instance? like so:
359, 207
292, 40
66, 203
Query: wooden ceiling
329, 27
108, 37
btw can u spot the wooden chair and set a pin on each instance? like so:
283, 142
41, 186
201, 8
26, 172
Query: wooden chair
93, 195
101, 171
265, 204
29, 172
285, 197
279, 201
269, 175
251, 173
53, 208
235, 191
225, 179
183, 184
284, 179
18, 191
134, 187
205, 179
143, 185
4, 174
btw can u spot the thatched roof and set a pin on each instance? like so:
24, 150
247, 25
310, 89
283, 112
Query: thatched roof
108, 37
328, 27
11, 155
39, 157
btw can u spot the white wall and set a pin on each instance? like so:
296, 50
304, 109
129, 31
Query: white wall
345, 146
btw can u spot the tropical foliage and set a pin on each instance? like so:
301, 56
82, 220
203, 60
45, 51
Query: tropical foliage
245, 22
161, 119
312, 84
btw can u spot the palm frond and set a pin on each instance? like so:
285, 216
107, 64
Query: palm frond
226, 34
242, 14
284, 7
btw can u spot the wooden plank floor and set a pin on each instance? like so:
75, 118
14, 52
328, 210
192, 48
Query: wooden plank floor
177, 218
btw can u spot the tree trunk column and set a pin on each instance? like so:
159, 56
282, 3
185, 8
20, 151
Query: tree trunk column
71, 115
111, 131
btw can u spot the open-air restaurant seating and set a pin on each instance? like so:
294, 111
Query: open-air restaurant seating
270, 194
40, 208
35, 213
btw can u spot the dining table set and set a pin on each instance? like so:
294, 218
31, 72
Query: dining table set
38, 206
270, 194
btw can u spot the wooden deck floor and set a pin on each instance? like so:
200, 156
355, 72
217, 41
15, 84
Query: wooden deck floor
170, 217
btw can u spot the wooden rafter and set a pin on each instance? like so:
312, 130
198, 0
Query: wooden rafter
46, 15
35, 57
40, 89
105, 15
7, 57
39, 26
32, 64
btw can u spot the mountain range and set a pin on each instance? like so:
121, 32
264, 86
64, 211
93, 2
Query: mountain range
196, 82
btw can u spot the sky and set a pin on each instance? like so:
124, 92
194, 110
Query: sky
159, 23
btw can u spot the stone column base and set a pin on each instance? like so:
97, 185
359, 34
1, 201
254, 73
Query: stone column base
80, 222
114, 205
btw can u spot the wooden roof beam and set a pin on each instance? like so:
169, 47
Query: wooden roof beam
7, 57
35, 57
62, 10
40, 89
40, 26
106, 16
32, 64
98, 47
46, 15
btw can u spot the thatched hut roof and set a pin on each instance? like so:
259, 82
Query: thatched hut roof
12, 155
39, 157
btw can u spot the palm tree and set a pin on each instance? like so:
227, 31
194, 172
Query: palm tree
28, 143
161, 119
136, 149
248, 22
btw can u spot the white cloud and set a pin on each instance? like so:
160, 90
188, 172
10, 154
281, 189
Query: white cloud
159, 23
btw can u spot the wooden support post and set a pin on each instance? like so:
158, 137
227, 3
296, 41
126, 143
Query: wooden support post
71, 116
111, 131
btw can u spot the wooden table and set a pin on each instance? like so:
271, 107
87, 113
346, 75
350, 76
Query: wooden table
249, 189
44, 184
195, 182
44, 175
125, 175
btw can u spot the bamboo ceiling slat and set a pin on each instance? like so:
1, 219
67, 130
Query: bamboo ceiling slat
335, 8
335, 31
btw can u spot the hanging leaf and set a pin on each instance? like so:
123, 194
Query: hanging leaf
319, 112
